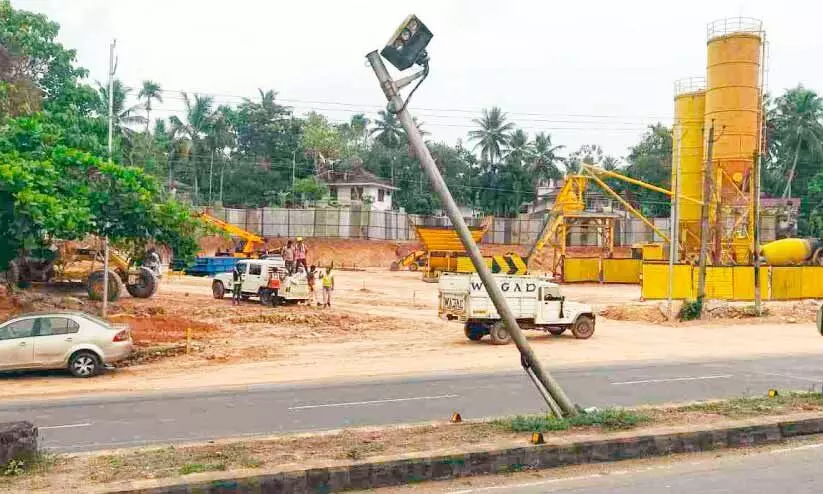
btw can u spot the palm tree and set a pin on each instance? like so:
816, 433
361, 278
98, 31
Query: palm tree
797, 120
150, 91
199, 117
520, 148
544, 166
122, 115
388, 130
493, 135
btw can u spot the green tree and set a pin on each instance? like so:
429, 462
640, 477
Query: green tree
493, 135
650, 161
544, 159
589, 154
191, 132
150, 91
387, 129
42, 64
797, 122
310, 189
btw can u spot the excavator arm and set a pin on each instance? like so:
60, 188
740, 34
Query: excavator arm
251, 242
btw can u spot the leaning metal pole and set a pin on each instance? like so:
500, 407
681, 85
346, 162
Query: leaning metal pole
529, 359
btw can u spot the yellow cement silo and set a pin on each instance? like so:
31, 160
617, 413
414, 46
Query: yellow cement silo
689, 111
733, 101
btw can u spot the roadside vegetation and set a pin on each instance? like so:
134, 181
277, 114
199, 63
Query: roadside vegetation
295, 451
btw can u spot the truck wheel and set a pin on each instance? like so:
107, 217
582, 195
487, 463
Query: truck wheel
583, 327
266, 298
95, 286
557, 331
413, 266
146, 285
474, 331
499, 334
218, 290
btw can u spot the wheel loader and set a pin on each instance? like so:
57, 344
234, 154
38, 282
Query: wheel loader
65, 262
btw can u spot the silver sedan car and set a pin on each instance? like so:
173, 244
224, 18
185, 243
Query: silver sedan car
81, 343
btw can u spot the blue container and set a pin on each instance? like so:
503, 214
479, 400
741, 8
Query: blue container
210, 266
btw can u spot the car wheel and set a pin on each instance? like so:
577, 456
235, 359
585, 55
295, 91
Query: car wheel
84, 364
218, 290
583, 327
499, 334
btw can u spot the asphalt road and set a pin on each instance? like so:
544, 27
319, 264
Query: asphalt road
790, 470
93, 423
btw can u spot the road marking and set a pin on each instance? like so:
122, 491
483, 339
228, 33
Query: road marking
674, 379
67, 426
374, 402
789, 376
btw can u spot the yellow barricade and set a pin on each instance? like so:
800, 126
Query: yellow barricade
577, 269
655, 281
622, 270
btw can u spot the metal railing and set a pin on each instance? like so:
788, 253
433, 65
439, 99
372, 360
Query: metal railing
733, 25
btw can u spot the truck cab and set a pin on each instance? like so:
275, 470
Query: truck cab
536, 302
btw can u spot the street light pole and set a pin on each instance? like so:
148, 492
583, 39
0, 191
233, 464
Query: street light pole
556, 397
112, 68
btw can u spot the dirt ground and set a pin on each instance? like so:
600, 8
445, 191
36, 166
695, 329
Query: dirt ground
381, 324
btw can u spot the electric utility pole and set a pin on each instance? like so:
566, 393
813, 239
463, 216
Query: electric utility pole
551, 391
674, 219
112, 69
705, 235
756, 231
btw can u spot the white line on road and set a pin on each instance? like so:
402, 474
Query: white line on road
789, 376
67, 426
375, 402
674, 379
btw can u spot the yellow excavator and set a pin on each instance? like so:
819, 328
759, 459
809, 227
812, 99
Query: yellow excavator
412, 261
65, 262
250, 244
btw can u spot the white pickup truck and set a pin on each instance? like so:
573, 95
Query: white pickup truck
264, 278
535, 301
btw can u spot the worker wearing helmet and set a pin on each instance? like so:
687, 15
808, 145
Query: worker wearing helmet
300, 251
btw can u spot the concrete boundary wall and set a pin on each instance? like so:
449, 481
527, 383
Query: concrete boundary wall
443, 467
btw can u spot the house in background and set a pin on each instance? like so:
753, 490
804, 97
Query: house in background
357, 185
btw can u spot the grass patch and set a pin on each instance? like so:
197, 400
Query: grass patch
201, 467
609, 419
691, 310
753, 406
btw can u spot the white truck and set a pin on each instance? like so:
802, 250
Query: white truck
535, 301
266, 279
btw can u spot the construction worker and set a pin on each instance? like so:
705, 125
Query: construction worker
236, 285
328, 287
311, 276
288, 256
300, 251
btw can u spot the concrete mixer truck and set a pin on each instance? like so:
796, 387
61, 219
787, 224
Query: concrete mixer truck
793, 252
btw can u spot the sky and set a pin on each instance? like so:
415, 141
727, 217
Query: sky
588, 72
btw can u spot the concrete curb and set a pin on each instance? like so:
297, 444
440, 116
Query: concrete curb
407, 471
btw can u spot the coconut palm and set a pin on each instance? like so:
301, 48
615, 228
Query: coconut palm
798, 123
520, 149
150, 91
122, 115
493, 135
388, 130
191, 133
545, 159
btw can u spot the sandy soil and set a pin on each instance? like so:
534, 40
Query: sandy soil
382, 324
